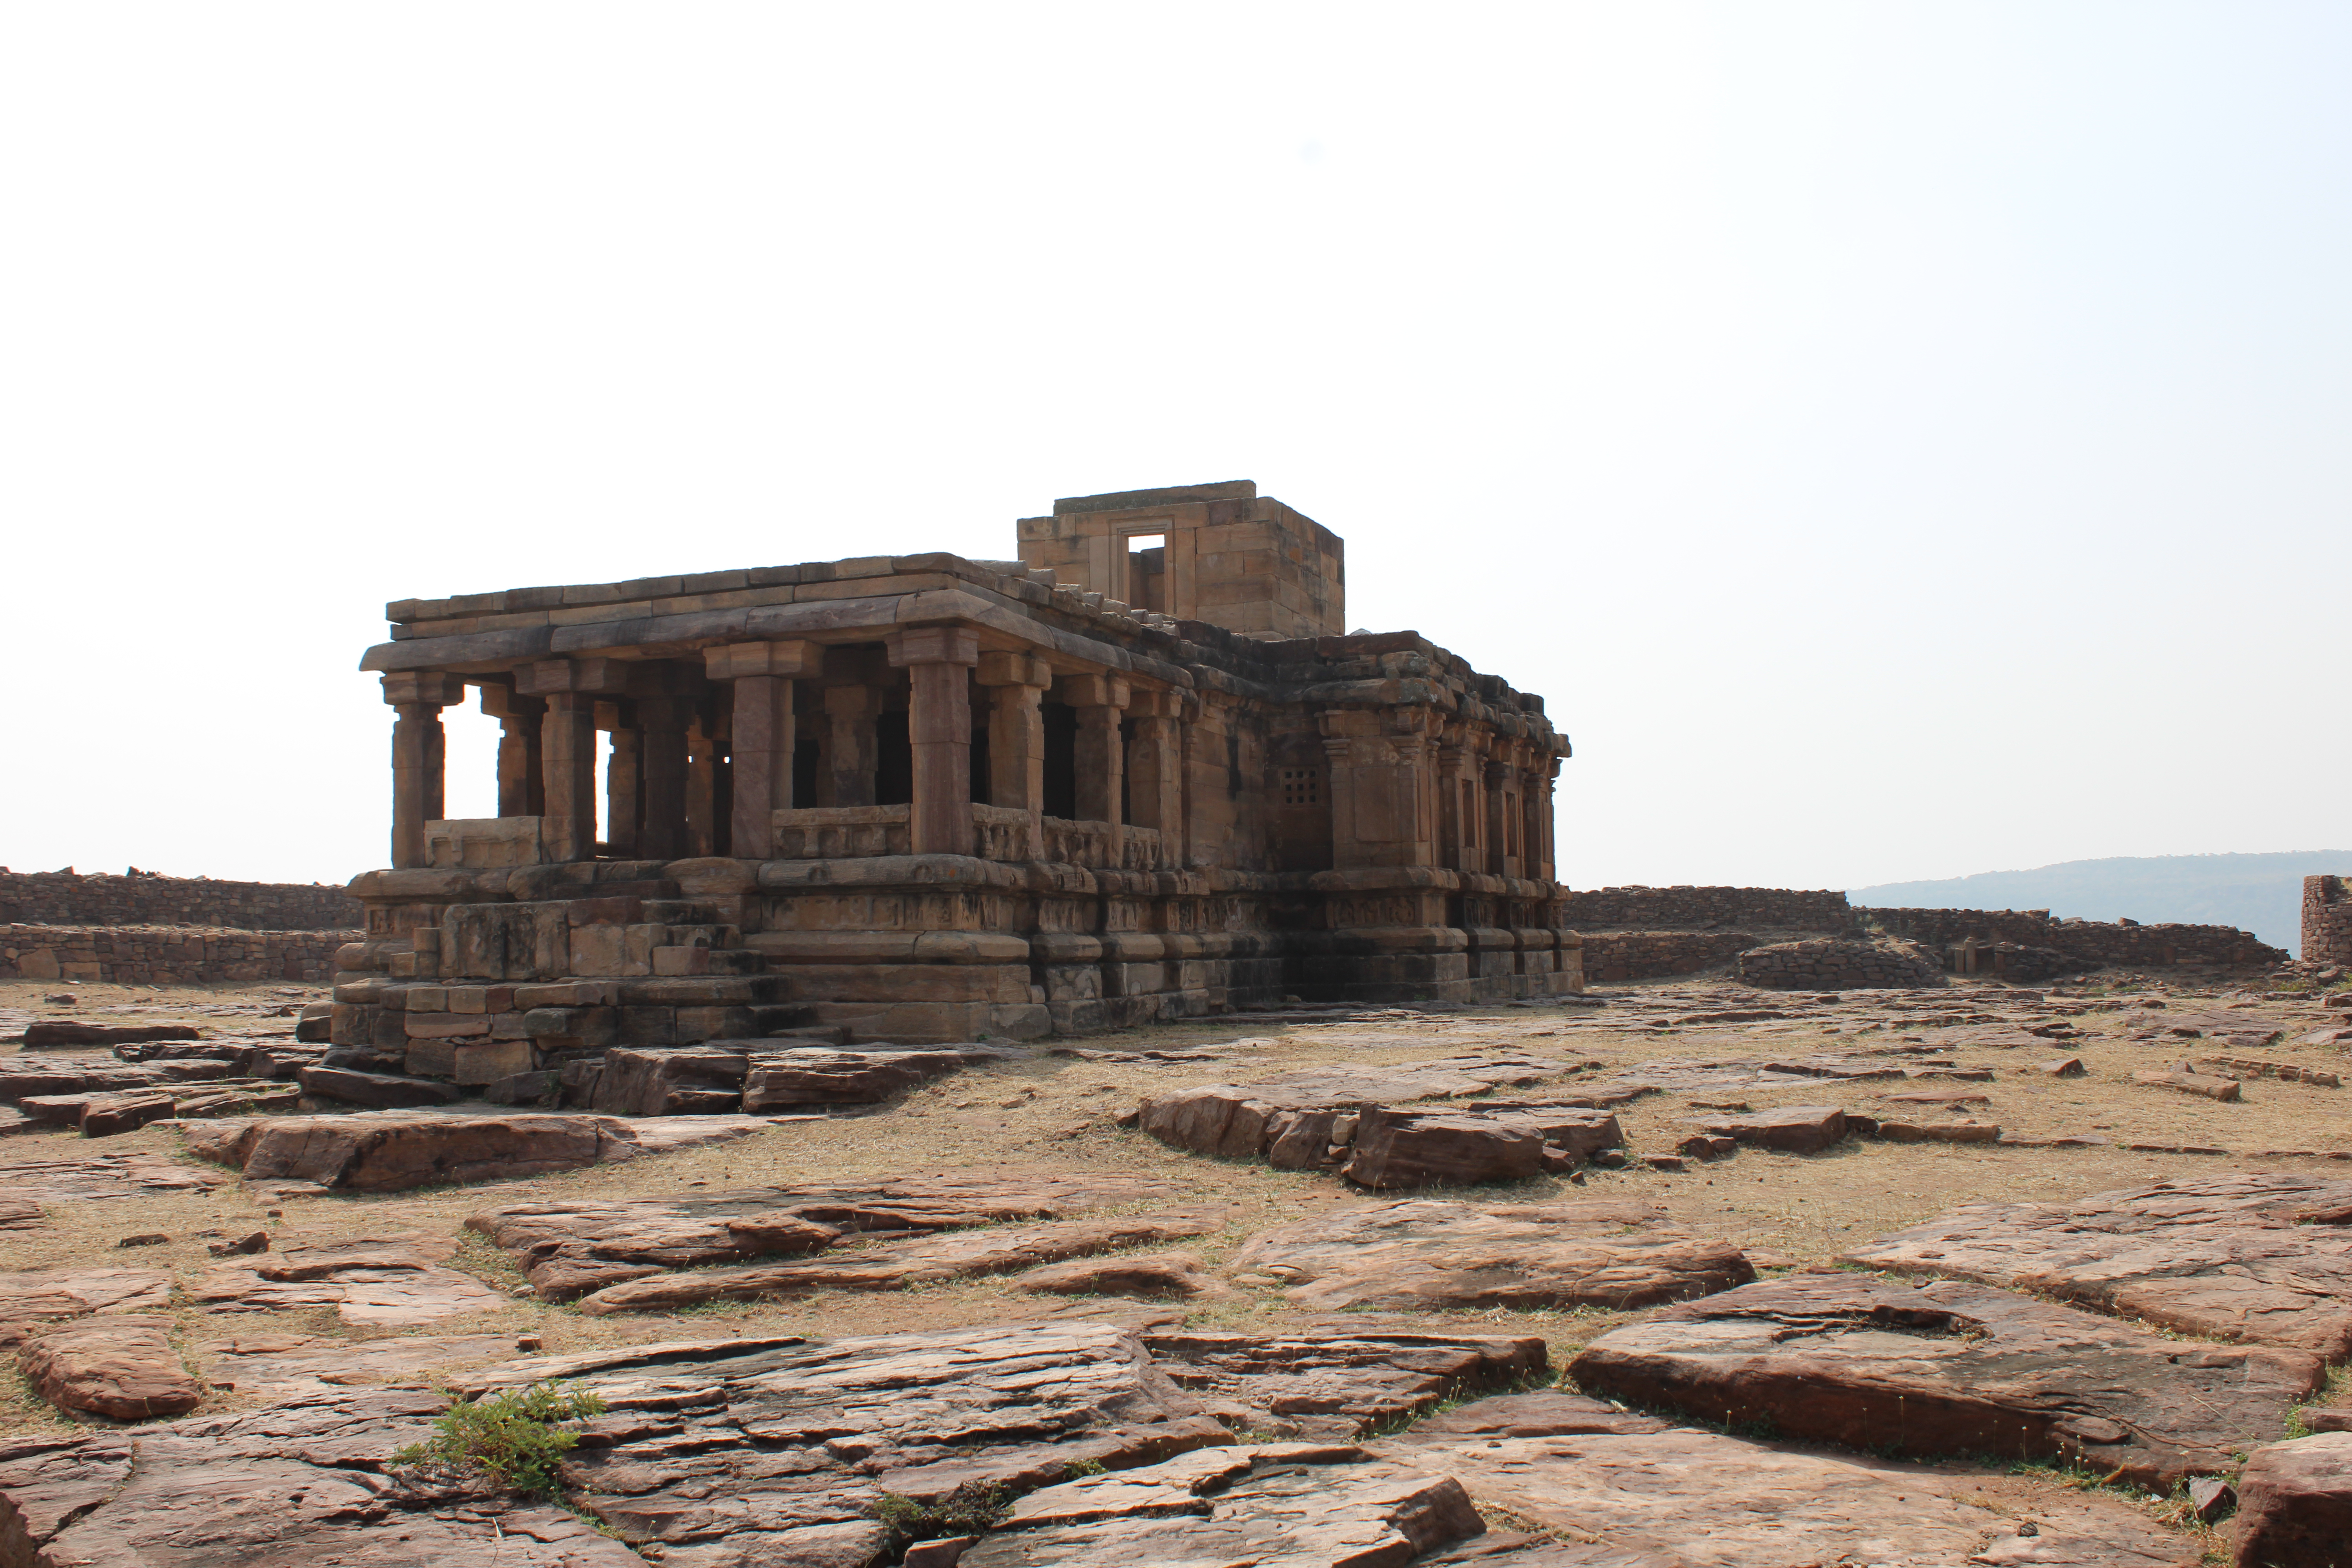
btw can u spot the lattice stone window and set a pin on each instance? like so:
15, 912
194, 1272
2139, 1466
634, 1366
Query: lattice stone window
1302, 786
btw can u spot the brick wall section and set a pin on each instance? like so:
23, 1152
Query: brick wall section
2118, 944
1696, 908
2326, 920
68, 898
168, 955
1646, 954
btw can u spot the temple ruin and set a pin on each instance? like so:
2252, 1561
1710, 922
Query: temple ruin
1140, 772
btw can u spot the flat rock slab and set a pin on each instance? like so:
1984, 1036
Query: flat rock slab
1948, 1368
101, 1177
284, 1487
1545, 1413
124, 1367
377, 1089
768, 1452
1125, 1274
569, 1247
2266, 1260
1689, 1499
1309, 1123
924, 1260
1389, 1149
284, 1365
54, 1033
1423, 1254
1296, 1505
380, 1281
812, 1076
389, 1151
1790, 1129
30, 1299
2295, 1503
1336, 1385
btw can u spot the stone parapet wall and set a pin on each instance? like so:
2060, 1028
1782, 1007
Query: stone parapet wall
1651, 910
2120, 943
70, 898
2326, 920
1648, 954
168, 955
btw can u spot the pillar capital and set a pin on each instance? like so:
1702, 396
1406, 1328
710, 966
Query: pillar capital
1093, 691
933, 645
737, 661
1014, 669
549, 677
423, 688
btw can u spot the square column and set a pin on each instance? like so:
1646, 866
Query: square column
1017, 683
1101, 702
1155, 774
522, 789
662, 725
417, 743
852, 751
708, 779
1498, 791
939, 661
567, 741
624, 778
766, 730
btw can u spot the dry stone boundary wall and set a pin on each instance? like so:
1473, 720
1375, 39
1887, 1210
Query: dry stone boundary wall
2326, 920
70, 898
2124, 944
1691, 908
168, 955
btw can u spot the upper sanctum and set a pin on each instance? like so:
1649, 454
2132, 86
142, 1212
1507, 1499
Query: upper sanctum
1152, 714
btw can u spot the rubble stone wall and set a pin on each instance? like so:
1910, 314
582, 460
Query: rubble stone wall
2326, 920
1644, 954
1837, 967
1651, 910
168, 955
2121, 943
70, 898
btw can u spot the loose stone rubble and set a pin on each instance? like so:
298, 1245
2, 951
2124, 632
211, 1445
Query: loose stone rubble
1423, 1255
1946, 1369
2266, 1260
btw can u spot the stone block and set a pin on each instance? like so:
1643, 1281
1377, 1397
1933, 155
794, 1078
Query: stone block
644, 1027
479, 1063
432, 1059
597, 948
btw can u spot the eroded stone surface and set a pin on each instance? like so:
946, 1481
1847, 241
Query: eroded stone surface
54, 1295
1949, 1369
1424, 1254
123, 1367
1394, 1149
895, 1266
1544, 1413
101, 1177
383, 1280
1790, 1128
2262, 1259
1336, 1385
1688, 1498
2294, 1504
289, 1364
1128, 1274
389, 1151
569, 1246
743, 1453
1294, 1505
289, 1485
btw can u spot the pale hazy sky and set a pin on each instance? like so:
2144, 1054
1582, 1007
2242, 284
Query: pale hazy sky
1899, 440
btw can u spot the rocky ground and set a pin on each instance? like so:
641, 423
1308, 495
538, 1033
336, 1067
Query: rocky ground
1780, 1278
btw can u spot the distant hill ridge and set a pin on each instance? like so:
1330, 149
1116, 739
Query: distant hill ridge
2259, 893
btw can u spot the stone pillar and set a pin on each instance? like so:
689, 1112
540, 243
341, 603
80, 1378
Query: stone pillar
939, 662
1155, 781
662, 723
522, 786
1498, 784
624, 779
1017, 736
416, 697
1100, 700
1545, 782
707, 781
766, 730
1456, 816
568, 744
851, 749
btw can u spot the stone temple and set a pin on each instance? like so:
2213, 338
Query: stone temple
1141, 772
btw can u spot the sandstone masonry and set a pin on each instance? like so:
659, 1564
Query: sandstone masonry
167, 956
